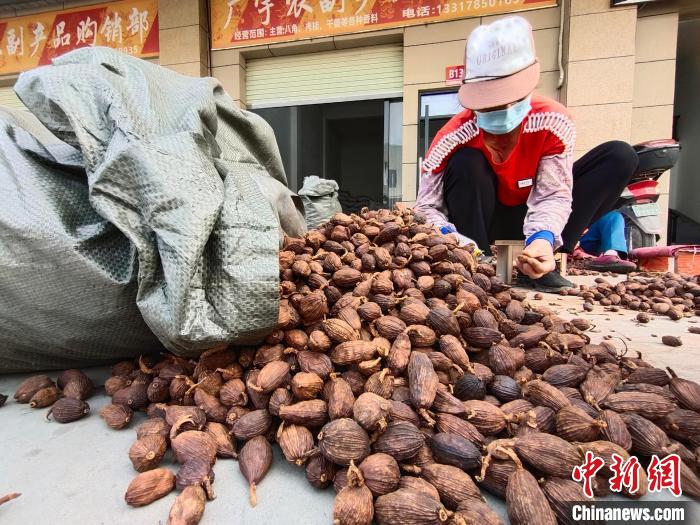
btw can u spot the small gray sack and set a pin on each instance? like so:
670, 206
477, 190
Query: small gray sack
320, 198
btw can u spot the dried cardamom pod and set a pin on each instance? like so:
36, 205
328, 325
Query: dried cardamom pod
574, 424
453, 348
115, 383
419, 485
504, 388
647, 438
687, 392
312, 413
149, 486
525, 502
194, 444
616, 430
135, 396
451, 424
561, 494
421, 336
423, 382
279, 398
196, 472
153, 425
296, 442
598, 385
353, 504
188, 507
475, 510
319, 471
487, 418
547, 453
380, 383
78, 386
31, 386
565, 375
649, 375
409, 508
45, 397
68, 409
469, 386
147, 452
372, 412
455, 450
233, 393
225, 446
271, 376
453, 485
117, 416
343, 440
254, 423
401, 440
339, 397
540, 392
352, 352
254, 460
646, 405
400, 411
381, 473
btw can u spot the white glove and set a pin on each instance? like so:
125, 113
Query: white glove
462, 240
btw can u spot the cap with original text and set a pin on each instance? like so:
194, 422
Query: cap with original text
500, 64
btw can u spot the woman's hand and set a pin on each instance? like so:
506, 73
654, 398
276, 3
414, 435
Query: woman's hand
537, 259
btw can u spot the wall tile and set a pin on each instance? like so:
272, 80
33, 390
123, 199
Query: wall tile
440, 32
649, 123
179, 13
583, 7
602, 35
192, 69
426, 63
656, 38
600, 81
232, 78
654, 83
547, 47
180, 45
548, 85
410, 141
226, 57
408, 182
538, 18
597, 124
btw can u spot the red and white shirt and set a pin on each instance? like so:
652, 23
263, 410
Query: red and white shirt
537, 171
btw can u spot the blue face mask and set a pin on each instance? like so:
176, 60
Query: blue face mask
503, 121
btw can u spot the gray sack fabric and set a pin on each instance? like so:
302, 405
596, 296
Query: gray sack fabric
320, 198
151, 216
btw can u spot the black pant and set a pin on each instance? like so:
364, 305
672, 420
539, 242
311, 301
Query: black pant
473, 207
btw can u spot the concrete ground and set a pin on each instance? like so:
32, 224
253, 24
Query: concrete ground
78, 473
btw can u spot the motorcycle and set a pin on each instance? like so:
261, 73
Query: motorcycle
639, 201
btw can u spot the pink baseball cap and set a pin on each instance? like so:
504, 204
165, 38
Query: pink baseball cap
500, 64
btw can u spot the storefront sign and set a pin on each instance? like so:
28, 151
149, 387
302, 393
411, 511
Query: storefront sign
454, 74
237, 23
29, 41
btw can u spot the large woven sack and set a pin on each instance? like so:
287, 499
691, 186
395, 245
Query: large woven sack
139, 209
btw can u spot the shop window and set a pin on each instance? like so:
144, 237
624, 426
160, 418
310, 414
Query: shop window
436, 108
358, 144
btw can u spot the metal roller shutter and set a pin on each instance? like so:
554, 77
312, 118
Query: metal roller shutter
330, 76
9, 99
